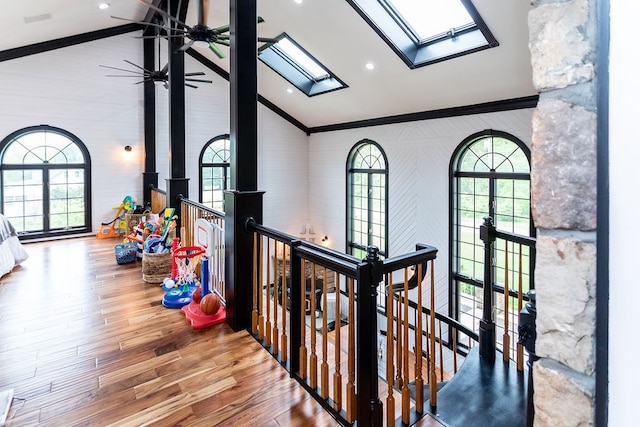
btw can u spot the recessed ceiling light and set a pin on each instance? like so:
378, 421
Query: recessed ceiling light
298, 1
289, 90
103, 6
369, 66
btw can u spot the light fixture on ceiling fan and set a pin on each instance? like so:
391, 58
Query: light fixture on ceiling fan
157, 76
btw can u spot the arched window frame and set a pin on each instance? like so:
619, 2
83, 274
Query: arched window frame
494, 200
47, 167
223, 163
380, 239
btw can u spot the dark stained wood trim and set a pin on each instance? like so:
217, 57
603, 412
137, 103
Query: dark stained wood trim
488, 107
32, 49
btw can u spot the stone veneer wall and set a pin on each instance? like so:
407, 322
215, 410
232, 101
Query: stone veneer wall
563, 43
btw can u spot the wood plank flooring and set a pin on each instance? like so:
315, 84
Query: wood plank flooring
86, 342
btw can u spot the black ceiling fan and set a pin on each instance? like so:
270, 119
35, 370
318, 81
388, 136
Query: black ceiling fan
196, 33
159, 76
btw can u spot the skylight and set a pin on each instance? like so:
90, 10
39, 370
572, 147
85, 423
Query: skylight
425, 32
297, 66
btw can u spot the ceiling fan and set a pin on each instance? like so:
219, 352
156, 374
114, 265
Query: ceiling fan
158, 76
196, 33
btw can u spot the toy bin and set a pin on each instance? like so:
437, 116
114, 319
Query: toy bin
126, 253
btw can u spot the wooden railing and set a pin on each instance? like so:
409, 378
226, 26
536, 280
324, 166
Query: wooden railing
158, 200
316, 311
191, 211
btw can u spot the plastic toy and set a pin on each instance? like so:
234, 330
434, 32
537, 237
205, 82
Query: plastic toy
186, 259
211, 238
108, 229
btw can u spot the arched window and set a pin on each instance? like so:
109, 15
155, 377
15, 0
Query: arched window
46, 182
215, 172
367, 196
490, 176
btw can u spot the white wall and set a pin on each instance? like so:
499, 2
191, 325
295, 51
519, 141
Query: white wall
66, 88
624, 152
419, 154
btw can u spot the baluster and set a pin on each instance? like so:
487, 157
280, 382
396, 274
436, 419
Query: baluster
284, 347
303, 329
254, 313
313, 368
406, 393
441, 353
324, 366
337, 376
267, 332
506, 340
261, 298
455, 350
419, 379
399, 382
278, 286
391, 402
351, 375
520, 347
433, 398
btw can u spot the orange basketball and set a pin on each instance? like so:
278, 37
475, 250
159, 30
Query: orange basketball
196, 296
210, 304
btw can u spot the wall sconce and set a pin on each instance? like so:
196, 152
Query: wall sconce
128, 148
325, 241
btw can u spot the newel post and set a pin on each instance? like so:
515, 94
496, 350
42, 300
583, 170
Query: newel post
368, 276
487, 333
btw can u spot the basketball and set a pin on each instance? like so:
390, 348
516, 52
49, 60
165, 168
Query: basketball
196, 296
210, 304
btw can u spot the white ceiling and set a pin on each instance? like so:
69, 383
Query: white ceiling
332, 32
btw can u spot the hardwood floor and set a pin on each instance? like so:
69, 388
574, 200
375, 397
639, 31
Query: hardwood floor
85, 341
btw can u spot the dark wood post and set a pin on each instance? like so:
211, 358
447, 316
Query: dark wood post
150, 175
243, 200
487, 333
368, 276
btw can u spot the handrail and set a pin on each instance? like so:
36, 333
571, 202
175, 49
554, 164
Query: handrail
200, 206
301, 344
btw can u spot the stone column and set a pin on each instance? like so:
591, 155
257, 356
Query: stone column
562, 41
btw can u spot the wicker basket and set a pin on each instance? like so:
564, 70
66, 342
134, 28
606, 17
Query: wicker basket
156, 267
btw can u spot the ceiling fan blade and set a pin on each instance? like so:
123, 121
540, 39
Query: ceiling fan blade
221, 29
186, 46
260, 20
198, 80
216, 50
120, 75
193, 86
222, 42
137, 66
140, 22
195, 73
121, 69
165, 69
165, 14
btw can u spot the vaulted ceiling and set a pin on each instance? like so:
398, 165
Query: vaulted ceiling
335, 34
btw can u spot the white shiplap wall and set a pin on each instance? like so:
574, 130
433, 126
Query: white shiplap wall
66, 88
419, 154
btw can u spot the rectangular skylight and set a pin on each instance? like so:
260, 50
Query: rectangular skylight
291, 61
302, 59
433, 18
424, 32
